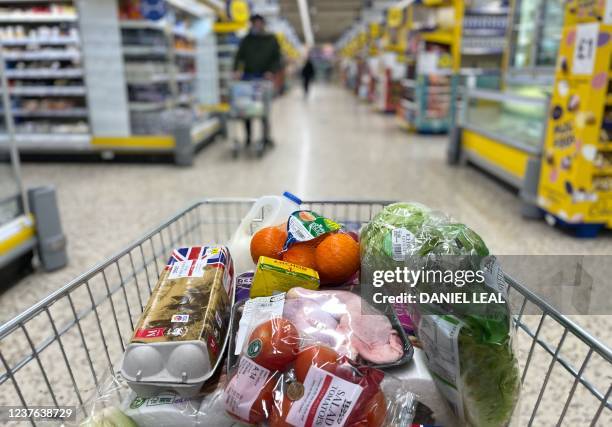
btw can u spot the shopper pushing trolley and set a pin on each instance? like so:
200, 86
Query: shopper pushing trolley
257, 60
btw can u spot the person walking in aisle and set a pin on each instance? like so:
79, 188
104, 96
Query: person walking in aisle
258, 57
308, 74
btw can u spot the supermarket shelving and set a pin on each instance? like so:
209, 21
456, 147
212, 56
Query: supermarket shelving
433, 44
118, 108
42, 54
228, 41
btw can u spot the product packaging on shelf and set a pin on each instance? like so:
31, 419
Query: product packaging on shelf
283, 379
179, 340
469, 346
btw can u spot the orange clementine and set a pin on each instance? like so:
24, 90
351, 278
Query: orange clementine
301, 254
315, 242
268, 241
337, 258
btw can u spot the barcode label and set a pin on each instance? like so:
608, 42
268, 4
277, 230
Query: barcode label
297, 228
401, 242
439, 336
494, 275
244, 388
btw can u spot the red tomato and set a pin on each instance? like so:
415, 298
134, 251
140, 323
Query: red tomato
376, 412
317, 355
278, 418
274, 344
262, 407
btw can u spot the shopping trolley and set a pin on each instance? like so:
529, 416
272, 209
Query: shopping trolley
58, 351
249, 99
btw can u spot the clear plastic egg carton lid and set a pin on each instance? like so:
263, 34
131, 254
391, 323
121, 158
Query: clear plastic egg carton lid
180, 366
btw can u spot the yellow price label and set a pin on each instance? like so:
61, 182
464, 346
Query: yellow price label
394, 17
363, 37
239, 10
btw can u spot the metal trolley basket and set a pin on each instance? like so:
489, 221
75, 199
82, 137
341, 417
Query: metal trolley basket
58, 351
249, 99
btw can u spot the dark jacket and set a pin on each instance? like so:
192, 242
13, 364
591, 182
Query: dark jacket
308, 71
258, 54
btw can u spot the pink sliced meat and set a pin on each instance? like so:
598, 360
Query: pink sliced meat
365, 330
312, 322
372, 338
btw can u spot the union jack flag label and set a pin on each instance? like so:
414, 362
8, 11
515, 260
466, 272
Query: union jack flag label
191, 261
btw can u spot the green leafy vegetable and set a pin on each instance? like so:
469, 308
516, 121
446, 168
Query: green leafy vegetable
488, 370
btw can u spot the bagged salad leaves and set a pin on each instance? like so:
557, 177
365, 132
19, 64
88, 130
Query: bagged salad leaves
469, 346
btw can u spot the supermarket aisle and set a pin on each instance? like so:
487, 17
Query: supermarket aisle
330, 146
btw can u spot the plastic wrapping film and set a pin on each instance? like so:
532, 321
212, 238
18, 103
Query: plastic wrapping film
468, 346
283, 378
310, 241
116, 405
338, 318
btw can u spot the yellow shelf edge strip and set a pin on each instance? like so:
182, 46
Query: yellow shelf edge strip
229, 27
137, 141
15, 233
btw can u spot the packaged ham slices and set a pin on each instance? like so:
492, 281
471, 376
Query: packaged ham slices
280, 382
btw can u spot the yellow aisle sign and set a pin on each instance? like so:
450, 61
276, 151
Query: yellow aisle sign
239, 11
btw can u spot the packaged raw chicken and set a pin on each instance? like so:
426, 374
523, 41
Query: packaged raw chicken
278, 382
342, 320
339, 319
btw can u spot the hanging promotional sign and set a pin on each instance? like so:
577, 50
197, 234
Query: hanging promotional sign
239, 11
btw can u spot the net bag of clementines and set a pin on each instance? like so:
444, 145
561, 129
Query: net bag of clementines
312, 241
282, 379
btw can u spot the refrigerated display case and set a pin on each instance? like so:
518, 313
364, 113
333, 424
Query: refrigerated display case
534, 41
434, 45
502, 131
17, 237
548, 132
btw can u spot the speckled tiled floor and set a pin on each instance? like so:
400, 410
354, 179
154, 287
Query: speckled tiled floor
330, 146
